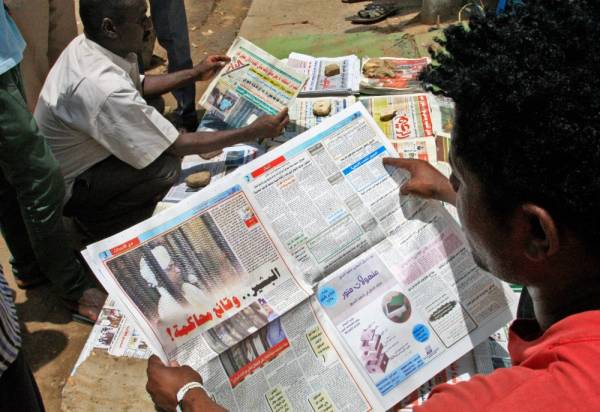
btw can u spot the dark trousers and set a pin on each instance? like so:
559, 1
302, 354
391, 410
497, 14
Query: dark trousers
170, 24
18, 390
112, 196
31, 198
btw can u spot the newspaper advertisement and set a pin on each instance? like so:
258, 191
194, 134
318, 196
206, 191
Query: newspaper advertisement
414, 303
327, 75
390, 75
404, 116
221, 267
252, 84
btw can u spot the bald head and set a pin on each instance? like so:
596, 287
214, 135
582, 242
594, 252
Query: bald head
118, 25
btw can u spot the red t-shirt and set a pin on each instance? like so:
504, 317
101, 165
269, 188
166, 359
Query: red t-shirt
558, 371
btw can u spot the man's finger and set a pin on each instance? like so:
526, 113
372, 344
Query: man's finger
221, 58
281, 115
400, 163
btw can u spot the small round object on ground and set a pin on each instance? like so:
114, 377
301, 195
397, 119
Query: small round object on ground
198, 180
332, 70
322, 108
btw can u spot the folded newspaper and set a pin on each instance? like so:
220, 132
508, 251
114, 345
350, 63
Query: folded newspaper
391, 75
252, 84
327, 76
303, 280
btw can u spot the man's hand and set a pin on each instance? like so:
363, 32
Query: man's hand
165, 381
425, 180
210, 66
266, 127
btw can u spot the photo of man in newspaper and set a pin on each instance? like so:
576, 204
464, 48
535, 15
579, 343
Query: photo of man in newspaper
178, 270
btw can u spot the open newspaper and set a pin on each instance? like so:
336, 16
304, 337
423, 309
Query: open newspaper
327, 76
252, 84
302, 280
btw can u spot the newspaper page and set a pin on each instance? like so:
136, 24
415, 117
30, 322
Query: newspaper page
390, 75
327, 75
405, 116
252, 84
193, 267
414, 303
421, 148
290, 365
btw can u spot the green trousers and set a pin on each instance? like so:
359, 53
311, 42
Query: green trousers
31, 198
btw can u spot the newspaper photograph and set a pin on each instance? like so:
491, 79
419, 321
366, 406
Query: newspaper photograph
405, 116
252, 84
327, 75
391, 75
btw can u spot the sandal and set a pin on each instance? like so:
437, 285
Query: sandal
374, 13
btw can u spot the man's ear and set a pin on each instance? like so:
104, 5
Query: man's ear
109, 29
542, 238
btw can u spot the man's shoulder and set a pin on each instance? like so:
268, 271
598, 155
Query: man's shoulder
84, 71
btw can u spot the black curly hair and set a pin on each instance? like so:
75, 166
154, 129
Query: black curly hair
526, 85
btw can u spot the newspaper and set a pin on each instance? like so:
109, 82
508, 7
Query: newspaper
229, 159
252, 84
240, 263
302, 115
390, 75
345, 82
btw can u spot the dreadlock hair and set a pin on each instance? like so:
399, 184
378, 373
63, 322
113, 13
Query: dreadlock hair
526, 86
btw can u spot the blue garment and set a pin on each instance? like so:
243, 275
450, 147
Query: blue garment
11, 42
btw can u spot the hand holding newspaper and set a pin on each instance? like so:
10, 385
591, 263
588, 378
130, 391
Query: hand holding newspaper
302, 279
252, 84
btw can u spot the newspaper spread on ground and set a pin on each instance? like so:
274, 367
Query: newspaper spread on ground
223, 163
327, 75
225, 280
252, 84
303, 117
391, 75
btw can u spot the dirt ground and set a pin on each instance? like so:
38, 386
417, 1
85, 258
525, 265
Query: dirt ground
51, 340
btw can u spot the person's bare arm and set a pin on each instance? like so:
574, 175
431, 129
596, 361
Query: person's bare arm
165, 381
425, 180
158, 84
205, 142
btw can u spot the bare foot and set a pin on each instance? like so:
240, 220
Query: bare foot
91, 302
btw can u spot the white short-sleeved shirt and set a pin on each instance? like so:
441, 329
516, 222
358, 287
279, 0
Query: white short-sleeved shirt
91, 107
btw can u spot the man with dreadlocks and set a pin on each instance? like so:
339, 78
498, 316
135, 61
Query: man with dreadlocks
526, 160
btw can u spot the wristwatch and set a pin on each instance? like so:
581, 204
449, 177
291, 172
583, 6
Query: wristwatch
184, 389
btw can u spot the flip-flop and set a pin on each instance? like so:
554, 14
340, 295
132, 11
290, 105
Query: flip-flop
374, 13
73, 307
353, 1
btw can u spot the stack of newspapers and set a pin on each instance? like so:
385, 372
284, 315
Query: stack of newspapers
302, 280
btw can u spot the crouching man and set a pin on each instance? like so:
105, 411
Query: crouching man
119, 155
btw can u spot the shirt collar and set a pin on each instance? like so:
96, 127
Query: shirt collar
526, 339
129, 63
